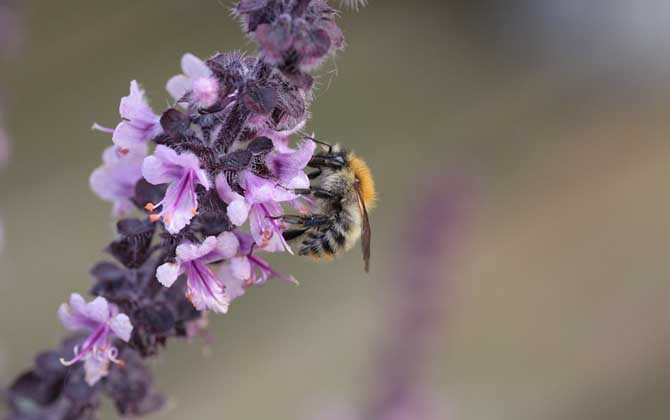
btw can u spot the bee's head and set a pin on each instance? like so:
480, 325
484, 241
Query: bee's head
364, 179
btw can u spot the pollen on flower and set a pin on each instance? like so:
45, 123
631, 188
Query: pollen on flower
167, 218
123, 150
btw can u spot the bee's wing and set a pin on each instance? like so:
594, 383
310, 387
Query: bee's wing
366, 235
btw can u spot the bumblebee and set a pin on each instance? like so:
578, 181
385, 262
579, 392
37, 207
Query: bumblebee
343, 190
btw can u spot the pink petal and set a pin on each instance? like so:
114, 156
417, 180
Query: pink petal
241, 268
225, 192
191, 252
194, 67
121, 326
155, 172
96, 367
238, 212
98, 310
167, 274
77, 305
227, 245
178, 86
234, 285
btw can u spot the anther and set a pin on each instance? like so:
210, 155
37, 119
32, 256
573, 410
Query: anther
154, 217
150, 207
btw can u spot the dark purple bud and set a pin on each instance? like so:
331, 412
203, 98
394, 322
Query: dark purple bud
232, 127
259, 100
300, 79
108, 272
213, 224
79, 392
147, 193
132, 387
275, 38
334, 33
263, 15
30, 391
300, 7
260, 146
235, 161
155, 318
228, 67
48, 365
247, 6
175, 122
133, 247
112, 283
213, 219
291, 102
312, 44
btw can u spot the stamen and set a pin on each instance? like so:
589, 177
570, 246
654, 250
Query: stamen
154, 217
68, 363
77, 358
195, 212
150, 206
248, 282
102, 128
112, 356
167, 218
124, 150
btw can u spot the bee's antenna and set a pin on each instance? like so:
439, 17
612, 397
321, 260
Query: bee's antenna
323, 143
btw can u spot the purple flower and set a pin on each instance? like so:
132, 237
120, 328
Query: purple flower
261, 205
115, 180
288, 165
205, 290
183, 174
139, 121
261, 201
102, 320
247, 269
197, 81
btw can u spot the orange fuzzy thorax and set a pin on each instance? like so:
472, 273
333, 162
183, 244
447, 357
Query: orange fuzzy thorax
367, 184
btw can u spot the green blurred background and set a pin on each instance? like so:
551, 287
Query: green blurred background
555, 113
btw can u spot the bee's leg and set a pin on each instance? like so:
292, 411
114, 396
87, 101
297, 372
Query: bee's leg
327, 161
323, 143
293, 233
315, 174
316, 192
305, 221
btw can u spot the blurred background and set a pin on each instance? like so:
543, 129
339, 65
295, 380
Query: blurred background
554, 114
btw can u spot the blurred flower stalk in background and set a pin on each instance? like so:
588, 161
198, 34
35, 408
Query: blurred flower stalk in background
183, 183
9, 41
421, 292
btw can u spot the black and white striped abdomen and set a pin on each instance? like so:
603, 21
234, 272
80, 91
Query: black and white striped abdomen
333, 238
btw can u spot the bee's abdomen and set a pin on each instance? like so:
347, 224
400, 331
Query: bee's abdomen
326, 242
